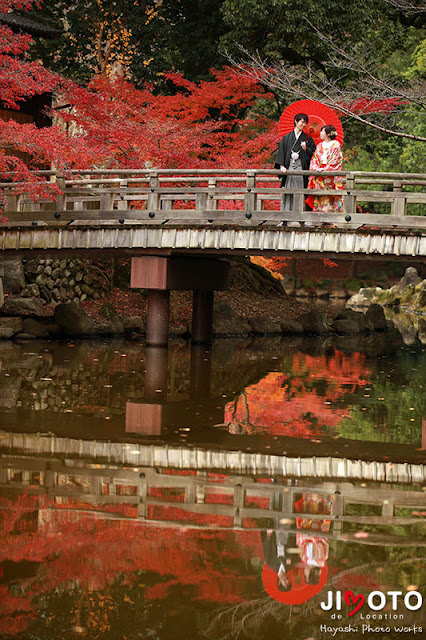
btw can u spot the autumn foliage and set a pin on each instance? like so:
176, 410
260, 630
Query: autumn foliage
92, 552
295, 405
19, 77
112, 124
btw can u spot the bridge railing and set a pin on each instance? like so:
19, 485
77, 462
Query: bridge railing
205, 196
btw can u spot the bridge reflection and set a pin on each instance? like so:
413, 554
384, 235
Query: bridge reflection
123, 486
148, 417
205, 499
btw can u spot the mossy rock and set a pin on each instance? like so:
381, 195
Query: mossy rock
107, 311
407, 295
418, 301
387, 298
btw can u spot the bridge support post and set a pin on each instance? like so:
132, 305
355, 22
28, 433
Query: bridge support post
157, 321
202, 316
350, 199
162, 274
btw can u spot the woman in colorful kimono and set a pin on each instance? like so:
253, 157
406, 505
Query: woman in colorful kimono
327, 157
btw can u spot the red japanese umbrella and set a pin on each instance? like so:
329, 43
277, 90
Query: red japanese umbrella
300, 591
319, 115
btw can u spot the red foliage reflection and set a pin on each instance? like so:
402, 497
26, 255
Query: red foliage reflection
93, 551
302, 403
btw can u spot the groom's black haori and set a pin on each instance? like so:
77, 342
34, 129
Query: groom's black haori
289, 144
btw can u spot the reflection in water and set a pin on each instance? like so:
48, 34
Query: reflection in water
365, 390
411, 326
304, 400
296, 565
85, 549
299, 468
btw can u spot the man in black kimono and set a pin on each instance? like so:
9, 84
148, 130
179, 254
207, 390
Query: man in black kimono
294, 152
274, 550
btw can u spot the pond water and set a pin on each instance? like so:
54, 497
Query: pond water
255, 489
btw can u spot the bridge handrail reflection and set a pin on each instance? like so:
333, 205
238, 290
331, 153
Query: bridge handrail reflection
230, 501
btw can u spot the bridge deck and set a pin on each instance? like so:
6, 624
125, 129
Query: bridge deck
142, 239
222, 212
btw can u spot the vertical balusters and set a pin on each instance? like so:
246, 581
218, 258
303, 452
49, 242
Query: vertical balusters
212, 202
250, 198
338, 510
154, 198
106, 201
121, 203
61, 201
399, 204
201, 201
350, 199
12, 201
239, 500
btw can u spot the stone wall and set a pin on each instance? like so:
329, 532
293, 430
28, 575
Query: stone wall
55, 280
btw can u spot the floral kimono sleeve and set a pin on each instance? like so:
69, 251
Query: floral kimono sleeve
335, 159
335, 163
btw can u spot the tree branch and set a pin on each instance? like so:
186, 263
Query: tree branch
359, 92
408, 6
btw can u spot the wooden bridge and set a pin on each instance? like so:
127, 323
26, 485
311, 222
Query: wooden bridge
203, 499
176, 224
213, 459
222, 211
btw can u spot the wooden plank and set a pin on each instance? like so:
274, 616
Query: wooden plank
373, 494
225, 189
361, 194
119, 200
379, 540
388, 181
212, 203
201, 217
195, 491
204, 172
96, 181
399, 204
182, 457
12, 203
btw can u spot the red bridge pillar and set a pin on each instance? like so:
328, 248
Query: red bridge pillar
161, 274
